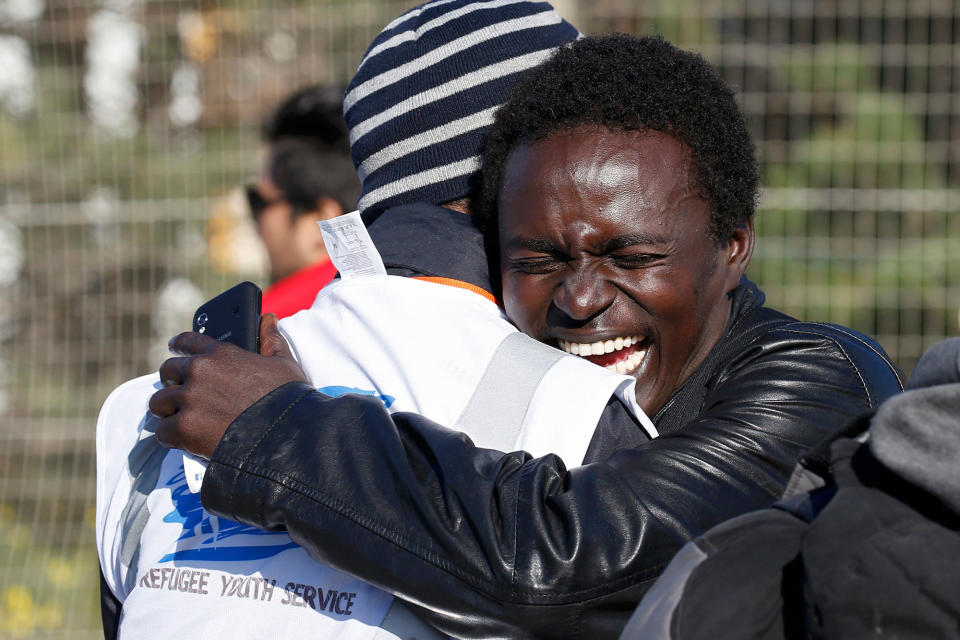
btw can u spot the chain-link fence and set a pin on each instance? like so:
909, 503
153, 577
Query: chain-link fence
126, 126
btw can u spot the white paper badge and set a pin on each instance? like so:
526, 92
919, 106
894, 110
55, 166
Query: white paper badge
350, 248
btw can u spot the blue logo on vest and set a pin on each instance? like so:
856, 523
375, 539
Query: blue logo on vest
213, 531
197, 523
336, 391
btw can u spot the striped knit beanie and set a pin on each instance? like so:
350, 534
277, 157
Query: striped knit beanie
427, 89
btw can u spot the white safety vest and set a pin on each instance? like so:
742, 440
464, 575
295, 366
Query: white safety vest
437, 350
449, 354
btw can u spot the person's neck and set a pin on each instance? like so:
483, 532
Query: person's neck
462, 205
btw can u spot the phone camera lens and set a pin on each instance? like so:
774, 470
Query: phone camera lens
201, 319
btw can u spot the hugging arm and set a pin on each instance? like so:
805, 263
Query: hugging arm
495, 544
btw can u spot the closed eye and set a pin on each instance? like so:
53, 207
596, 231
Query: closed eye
537, 264
636, 260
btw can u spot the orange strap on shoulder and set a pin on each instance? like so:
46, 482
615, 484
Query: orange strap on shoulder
460, 284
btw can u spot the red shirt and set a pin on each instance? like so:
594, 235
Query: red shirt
298, 290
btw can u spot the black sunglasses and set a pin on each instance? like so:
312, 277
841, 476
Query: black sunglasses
257, 202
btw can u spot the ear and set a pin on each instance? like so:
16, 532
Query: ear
308, 230
738, 252
327, 208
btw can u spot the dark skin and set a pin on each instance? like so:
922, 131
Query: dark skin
604, 235
211, 383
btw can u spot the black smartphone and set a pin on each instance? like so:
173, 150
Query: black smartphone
233, 316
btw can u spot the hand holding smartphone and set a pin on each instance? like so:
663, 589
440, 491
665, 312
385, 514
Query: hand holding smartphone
233, 316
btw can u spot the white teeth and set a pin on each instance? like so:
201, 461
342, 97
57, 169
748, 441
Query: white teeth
629, 364
600, 347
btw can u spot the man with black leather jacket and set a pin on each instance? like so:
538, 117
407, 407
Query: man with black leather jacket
502, 545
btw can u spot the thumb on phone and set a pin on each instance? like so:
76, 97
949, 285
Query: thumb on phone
272, 342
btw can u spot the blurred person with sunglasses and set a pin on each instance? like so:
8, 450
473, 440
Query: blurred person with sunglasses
307, 176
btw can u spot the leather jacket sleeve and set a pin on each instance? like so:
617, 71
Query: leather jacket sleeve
502, 545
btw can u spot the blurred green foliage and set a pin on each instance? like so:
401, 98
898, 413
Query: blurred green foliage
46, 587
848, 223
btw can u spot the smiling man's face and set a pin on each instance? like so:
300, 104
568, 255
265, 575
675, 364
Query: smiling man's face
606, 252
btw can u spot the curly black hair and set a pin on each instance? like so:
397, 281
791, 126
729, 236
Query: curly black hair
625, 82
